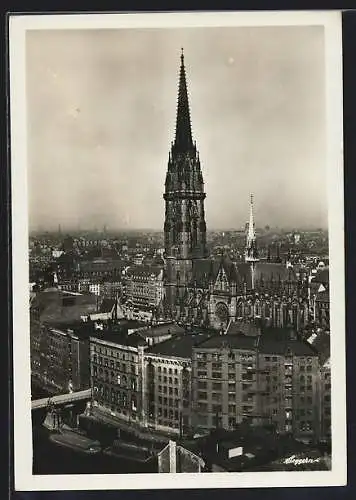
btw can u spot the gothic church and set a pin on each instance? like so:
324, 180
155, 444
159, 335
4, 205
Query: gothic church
207, 292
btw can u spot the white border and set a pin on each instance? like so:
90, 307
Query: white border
24, 480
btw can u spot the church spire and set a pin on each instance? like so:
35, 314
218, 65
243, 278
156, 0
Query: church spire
183, 139
251, 254
251, 236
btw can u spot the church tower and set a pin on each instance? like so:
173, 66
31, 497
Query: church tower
184, 226
251, 253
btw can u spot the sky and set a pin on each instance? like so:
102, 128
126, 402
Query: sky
101, 108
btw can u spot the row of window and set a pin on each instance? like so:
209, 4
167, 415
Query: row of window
115, 353
168, 390
123, 367
116, 379
168, 401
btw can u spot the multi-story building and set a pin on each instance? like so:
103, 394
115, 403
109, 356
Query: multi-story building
144, 286
272, 378
104, 269
60, 357
116, 362
167, 378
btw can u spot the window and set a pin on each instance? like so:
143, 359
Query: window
216, 375
216, 386
202, 385
202, 395
232, 408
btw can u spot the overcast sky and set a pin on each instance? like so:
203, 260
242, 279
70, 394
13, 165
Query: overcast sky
101, 116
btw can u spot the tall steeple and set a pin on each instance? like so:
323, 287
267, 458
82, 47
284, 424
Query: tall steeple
184, 226
183, 137
251, 254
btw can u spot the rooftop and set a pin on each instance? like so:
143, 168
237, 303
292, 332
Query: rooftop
132, 340
180, 346
107, 305
235, 341
161, 330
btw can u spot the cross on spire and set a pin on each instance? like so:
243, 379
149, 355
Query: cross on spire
183, 138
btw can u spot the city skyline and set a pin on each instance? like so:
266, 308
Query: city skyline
89, 117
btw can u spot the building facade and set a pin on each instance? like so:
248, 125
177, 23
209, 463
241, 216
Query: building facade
60, 358
258, 379
144, 287
116, 366
168, 382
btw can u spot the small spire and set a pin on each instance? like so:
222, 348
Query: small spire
251, 225
251, 247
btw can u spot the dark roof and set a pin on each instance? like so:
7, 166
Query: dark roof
203, 269
323, 296
263, 445
275, 271
244, 270
180, 346
322, 276
167, 329
321, 344
278, 341
83, 330
143, 270
244, 327
132, 340
62, 307
230, 341
101, 265
107, 305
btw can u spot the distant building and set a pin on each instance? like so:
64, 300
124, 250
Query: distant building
144, 287
107, 311
104, 269
138, 259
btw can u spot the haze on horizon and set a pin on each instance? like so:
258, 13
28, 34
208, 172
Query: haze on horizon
101, 117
